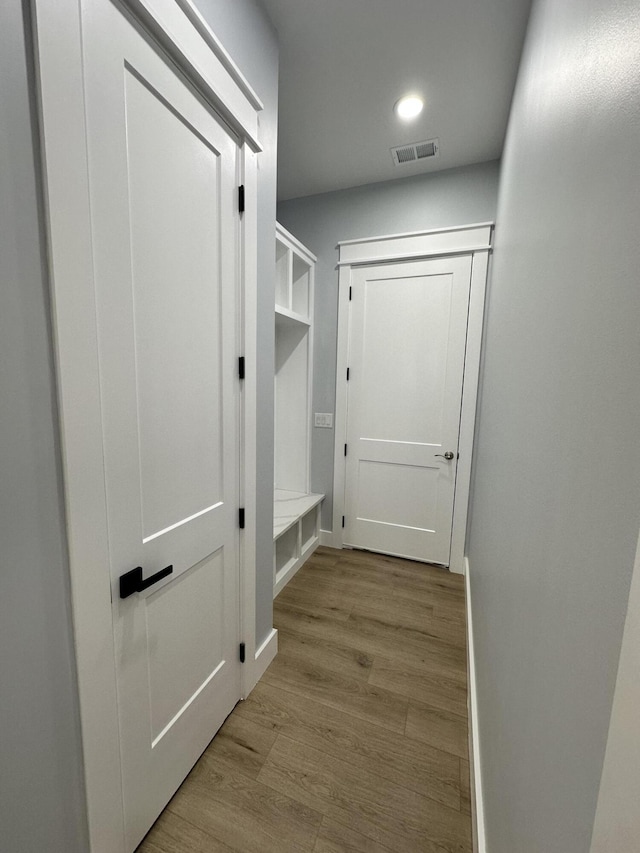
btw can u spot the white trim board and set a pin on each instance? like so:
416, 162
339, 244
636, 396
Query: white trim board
477, 803
301, 249
182, 32
218, 49
428, 232
58, 49
264, 656
419, 244
418, 255
248, 323
479, 270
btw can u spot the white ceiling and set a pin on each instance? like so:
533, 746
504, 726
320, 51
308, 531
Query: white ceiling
344, 63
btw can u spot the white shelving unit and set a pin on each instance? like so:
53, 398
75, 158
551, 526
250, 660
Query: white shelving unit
296, 526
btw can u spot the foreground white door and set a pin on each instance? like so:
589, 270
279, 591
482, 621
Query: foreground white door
407, 336
162, 174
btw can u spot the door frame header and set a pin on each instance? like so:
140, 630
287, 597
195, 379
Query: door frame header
473, 240
464, 239
185, 35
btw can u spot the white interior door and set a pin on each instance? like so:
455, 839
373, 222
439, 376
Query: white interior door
407, 336
162, 171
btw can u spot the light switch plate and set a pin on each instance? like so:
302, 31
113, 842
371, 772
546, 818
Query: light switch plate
323, 419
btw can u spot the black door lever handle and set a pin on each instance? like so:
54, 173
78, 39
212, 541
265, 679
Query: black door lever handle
133, 581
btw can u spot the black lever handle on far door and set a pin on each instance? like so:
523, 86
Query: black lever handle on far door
133, 581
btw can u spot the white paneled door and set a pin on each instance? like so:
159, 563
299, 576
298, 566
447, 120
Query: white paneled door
407, 338
162, 172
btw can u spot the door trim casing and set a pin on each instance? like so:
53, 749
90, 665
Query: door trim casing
59, 78
474, 240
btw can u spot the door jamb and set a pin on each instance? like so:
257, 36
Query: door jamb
473, 240
58, 56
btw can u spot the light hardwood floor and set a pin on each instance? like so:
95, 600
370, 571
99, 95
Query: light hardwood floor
355, 739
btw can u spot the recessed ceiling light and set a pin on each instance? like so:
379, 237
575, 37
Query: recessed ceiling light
409, 107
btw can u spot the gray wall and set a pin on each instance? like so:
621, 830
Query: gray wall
246, 32
556, 502
453, 197
41, 798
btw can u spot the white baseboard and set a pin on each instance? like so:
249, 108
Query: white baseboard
477, 805
264, 655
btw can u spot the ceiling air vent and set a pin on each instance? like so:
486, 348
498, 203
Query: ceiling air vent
415, 151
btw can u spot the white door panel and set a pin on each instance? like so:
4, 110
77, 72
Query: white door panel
163, 187
176, 196
408, 323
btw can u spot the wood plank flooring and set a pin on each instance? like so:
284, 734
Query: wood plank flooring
355, 739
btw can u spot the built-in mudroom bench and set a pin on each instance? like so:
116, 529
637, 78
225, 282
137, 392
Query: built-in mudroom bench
296, 532
296, 523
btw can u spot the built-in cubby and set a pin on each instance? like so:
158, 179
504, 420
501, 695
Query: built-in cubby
286, 551
296, 529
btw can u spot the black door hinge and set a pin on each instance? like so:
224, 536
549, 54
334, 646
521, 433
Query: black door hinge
241, 198
241, 518
343, 520
345, 450
347, 374
241, 367
241, 652
350, 292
